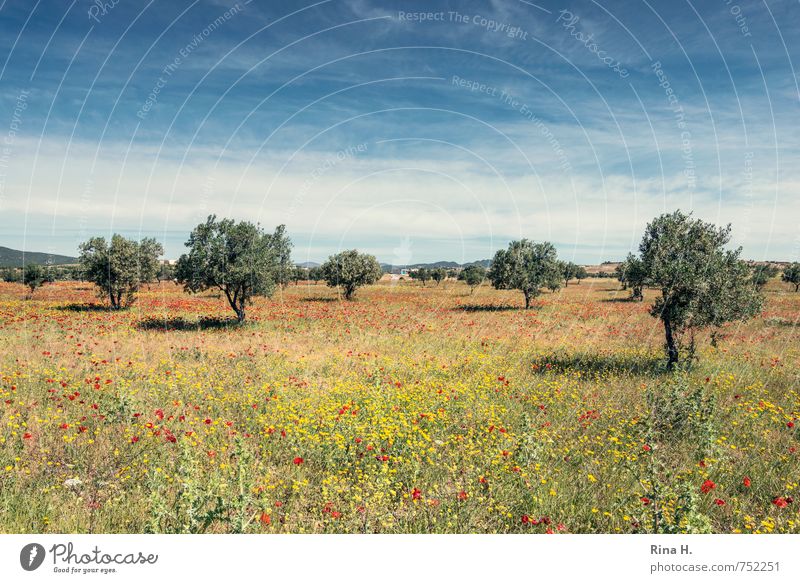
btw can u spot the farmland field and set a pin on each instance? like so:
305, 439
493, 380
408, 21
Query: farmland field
407, 410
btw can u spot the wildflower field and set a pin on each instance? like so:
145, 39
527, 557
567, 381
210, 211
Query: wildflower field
408, 410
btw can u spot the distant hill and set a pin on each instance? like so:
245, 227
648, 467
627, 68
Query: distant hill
435, 265
308, 264
15, 258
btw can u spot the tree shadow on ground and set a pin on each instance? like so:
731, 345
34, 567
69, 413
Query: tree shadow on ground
84, 308
182, 324
326, 299
488, 308
782, 322
652, 366
625, 300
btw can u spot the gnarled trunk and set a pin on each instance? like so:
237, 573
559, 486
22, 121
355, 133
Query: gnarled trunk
672, 347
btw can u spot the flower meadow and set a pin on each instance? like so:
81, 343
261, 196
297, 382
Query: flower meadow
410, 410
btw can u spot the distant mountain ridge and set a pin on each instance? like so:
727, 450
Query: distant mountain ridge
15, 258
436, 265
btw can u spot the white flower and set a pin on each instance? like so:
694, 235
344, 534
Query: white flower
73, 483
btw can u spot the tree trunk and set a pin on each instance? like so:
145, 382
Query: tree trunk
672, 348
527, 300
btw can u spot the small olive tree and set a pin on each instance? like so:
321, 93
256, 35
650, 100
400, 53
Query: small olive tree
581, 274
473, 275
33, 276
119, 268
762, 274
702, 284
423, 274
316, 274
634, 276
439, 275
569, 271
526, 266
349, 270
792, 275
239, 259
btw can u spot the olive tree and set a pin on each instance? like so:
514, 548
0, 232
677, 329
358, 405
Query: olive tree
316, 274
473, 275
11, 275
526, 266
423, 274
581, 274
761, 274
438, 275
239, 259
569, 271
33, 276
349, 270
792, 275
634, 276
702, 284
119, 268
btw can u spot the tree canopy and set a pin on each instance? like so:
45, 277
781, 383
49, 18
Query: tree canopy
120, 268
792, 275
350, 270
702, 284
526, 266
473, 275
239, 259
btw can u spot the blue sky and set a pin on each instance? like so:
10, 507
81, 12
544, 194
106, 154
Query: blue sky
416, 131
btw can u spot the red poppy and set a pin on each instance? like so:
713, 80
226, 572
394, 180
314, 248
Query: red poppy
646, 447
780, 502
463, 495
707, 486
416, 494
746, 482
298, 460
134, 439
719, 502
27, 436
645, 500
265, 519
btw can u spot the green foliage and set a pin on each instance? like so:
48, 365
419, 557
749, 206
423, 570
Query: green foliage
316, 274
581, 273
299, 274
701, 283
473, 276
762, 274
526, 266
569, 271
438, 275
33, 276
633, 275
121, 267
166, 272
423, 274
11, 275
792, 275
350, 270
681, 413
239, 259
